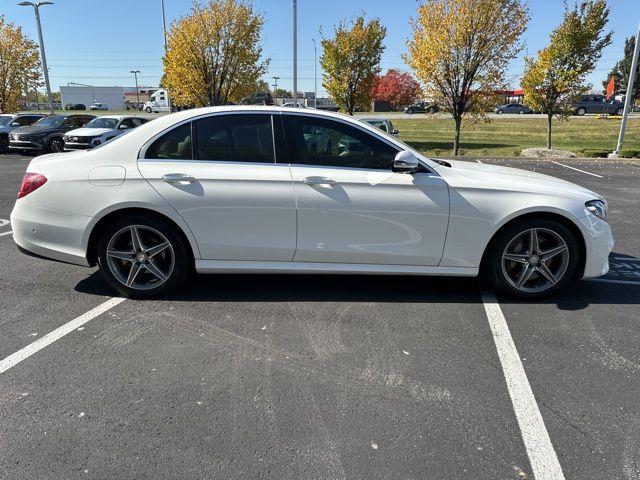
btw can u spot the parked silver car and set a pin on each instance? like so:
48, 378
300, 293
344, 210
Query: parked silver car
383, 124
512, 108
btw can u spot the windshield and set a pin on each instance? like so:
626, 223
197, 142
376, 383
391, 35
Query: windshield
102, 122
51, 121
4, 119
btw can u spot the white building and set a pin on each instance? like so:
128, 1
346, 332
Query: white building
113, 97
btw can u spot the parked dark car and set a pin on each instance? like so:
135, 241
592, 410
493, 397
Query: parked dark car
512, 108
75, 106
597, 104
261, 98
382, 123
422, 107
11, 121
46, 134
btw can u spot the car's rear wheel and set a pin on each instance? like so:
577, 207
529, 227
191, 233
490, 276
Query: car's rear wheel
143, 257
520, 112
499, 112
619, 112
409, 111
56, 145
533, 258
581, 111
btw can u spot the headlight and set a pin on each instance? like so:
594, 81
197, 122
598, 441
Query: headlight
598, 208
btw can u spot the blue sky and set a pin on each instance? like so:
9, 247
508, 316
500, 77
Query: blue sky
98, 42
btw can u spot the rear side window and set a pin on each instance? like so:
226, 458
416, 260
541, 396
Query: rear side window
173, 145
235, 138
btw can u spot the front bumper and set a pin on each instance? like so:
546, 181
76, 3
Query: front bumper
49, 233
598, 242
25, 145
77, 146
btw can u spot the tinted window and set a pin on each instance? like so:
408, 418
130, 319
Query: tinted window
4, 119
127, 122
53, 121
102, 122
75, 122
235, 138
175, 144
318, 141
138, 121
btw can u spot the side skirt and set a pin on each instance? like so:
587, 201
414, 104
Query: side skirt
226, 266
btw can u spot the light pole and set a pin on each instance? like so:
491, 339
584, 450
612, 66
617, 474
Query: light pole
315, 74
135, 74
275, 84
36, 8
627, 99
164, 32
295, 54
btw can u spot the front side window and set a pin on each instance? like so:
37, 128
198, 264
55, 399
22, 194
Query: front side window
51, 121
235, 138
102, 122
324, 142
173, 145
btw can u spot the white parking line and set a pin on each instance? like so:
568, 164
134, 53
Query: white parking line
613, 280
542, 457
577, 169
6, 233
24, 353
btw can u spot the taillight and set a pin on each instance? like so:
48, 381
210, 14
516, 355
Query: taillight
30, 183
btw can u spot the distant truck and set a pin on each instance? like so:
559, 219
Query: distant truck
158, 102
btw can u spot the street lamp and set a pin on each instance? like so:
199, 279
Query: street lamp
275, 84
36, 8
315, 74
135, 74
295, 53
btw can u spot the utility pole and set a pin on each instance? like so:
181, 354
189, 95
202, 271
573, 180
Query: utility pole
627, 99
275, 84
295, 54
315, 74
36, 8
135, 74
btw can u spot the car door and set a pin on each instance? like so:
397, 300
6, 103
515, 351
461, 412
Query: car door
353, 208
225, 184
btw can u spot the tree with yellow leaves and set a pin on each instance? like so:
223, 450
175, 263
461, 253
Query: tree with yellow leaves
19, 66
351, 62
460, 49
214, 54
554, 80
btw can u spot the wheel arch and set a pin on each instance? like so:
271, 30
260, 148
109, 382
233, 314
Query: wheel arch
102, 224
562, 219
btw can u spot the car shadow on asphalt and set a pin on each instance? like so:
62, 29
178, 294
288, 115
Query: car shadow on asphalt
369, 288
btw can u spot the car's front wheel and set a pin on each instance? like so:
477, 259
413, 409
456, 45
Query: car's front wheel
4, 144
581, 111
143, 257
533, 258
56, 145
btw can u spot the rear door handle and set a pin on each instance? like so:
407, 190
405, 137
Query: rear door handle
318, 181
178, 178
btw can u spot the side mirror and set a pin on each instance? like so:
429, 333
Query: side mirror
15, 124
122, 127
406, 161
395, 131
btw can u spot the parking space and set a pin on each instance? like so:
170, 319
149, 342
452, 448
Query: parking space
324, 377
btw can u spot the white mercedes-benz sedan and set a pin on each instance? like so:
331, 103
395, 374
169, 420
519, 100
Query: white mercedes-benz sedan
268, 189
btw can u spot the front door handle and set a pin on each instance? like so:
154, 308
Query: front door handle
318, 181
178, 178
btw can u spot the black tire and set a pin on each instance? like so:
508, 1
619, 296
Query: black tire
520, 112
619, 112
493, 265
499, 112
581, 111
409, 111
56, 145
148, 109
182, 264
4, 144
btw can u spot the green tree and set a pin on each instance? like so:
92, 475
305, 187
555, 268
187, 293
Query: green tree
282, 93
556, 78
214, 54
622, 68
262, 86
459, 50
19, 66
351, 62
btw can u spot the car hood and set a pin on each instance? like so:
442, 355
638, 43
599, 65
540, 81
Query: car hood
89, 132
34, 129
480, 175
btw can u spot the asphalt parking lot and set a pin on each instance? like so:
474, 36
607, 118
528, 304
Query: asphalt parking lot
329, 377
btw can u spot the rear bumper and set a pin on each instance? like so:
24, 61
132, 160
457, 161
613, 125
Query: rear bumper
49, 233
598, 242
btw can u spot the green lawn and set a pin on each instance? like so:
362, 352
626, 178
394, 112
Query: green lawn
506, 137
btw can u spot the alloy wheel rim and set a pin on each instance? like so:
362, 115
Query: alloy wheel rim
535, 260
140, 257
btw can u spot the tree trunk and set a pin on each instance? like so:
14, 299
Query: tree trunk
456, 138
549, 118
